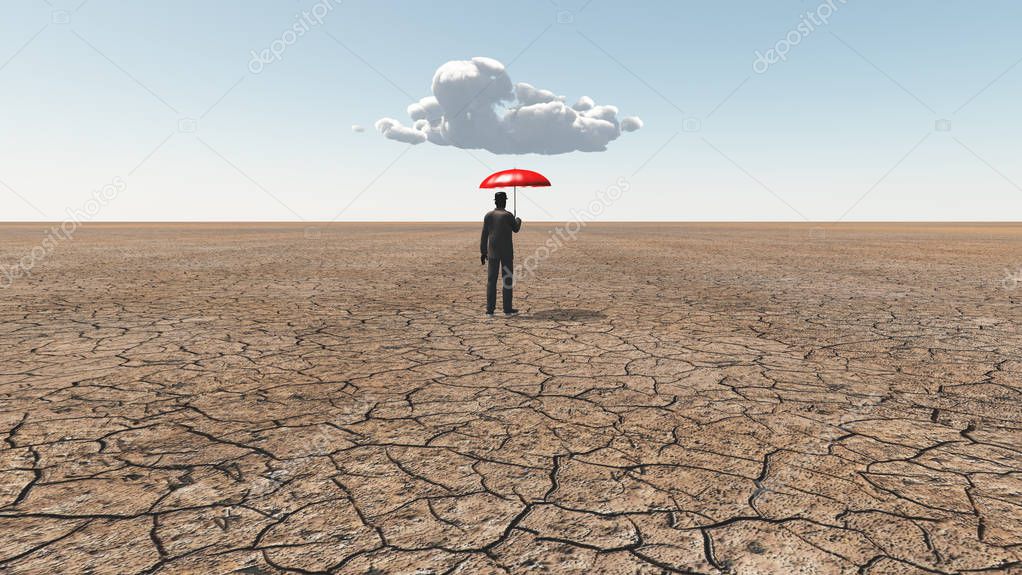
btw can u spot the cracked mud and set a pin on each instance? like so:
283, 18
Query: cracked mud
263, 399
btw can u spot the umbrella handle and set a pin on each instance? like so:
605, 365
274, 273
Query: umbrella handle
514, 200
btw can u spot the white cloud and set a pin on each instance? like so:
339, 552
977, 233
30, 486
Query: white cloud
392, 129
426, 109
631, 123
584, 103
357, 129
527, 95
475, 105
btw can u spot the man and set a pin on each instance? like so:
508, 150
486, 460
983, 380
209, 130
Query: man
497, 247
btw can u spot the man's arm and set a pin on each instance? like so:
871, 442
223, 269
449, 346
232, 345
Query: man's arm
485, 237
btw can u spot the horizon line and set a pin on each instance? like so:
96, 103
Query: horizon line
341, 222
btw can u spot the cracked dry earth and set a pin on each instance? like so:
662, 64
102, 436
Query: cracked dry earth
742, 399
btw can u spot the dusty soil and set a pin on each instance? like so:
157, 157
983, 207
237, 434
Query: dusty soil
745, 399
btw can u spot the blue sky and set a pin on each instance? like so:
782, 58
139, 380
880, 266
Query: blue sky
889, 111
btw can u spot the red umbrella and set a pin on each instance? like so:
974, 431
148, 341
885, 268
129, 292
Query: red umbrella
515, 178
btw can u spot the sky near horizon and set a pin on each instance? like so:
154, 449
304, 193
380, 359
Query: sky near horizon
879, 110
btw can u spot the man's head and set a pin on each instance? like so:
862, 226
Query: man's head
500, 199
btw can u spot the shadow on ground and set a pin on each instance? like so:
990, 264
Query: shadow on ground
565, 315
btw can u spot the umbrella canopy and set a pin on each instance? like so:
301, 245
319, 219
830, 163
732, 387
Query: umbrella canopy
515, 179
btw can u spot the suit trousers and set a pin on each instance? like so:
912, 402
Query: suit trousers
503, 263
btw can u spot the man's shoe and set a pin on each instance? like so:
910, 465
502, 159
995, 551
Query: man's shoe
511, 312
489, 314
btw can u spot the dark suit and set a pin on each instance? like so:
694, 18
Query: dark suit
497, 245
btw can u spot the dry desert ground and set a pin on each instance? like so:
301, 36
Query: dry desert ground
675, 398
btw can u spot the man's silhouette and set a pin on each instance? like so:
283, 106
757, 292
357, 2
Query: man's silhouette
498, 248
